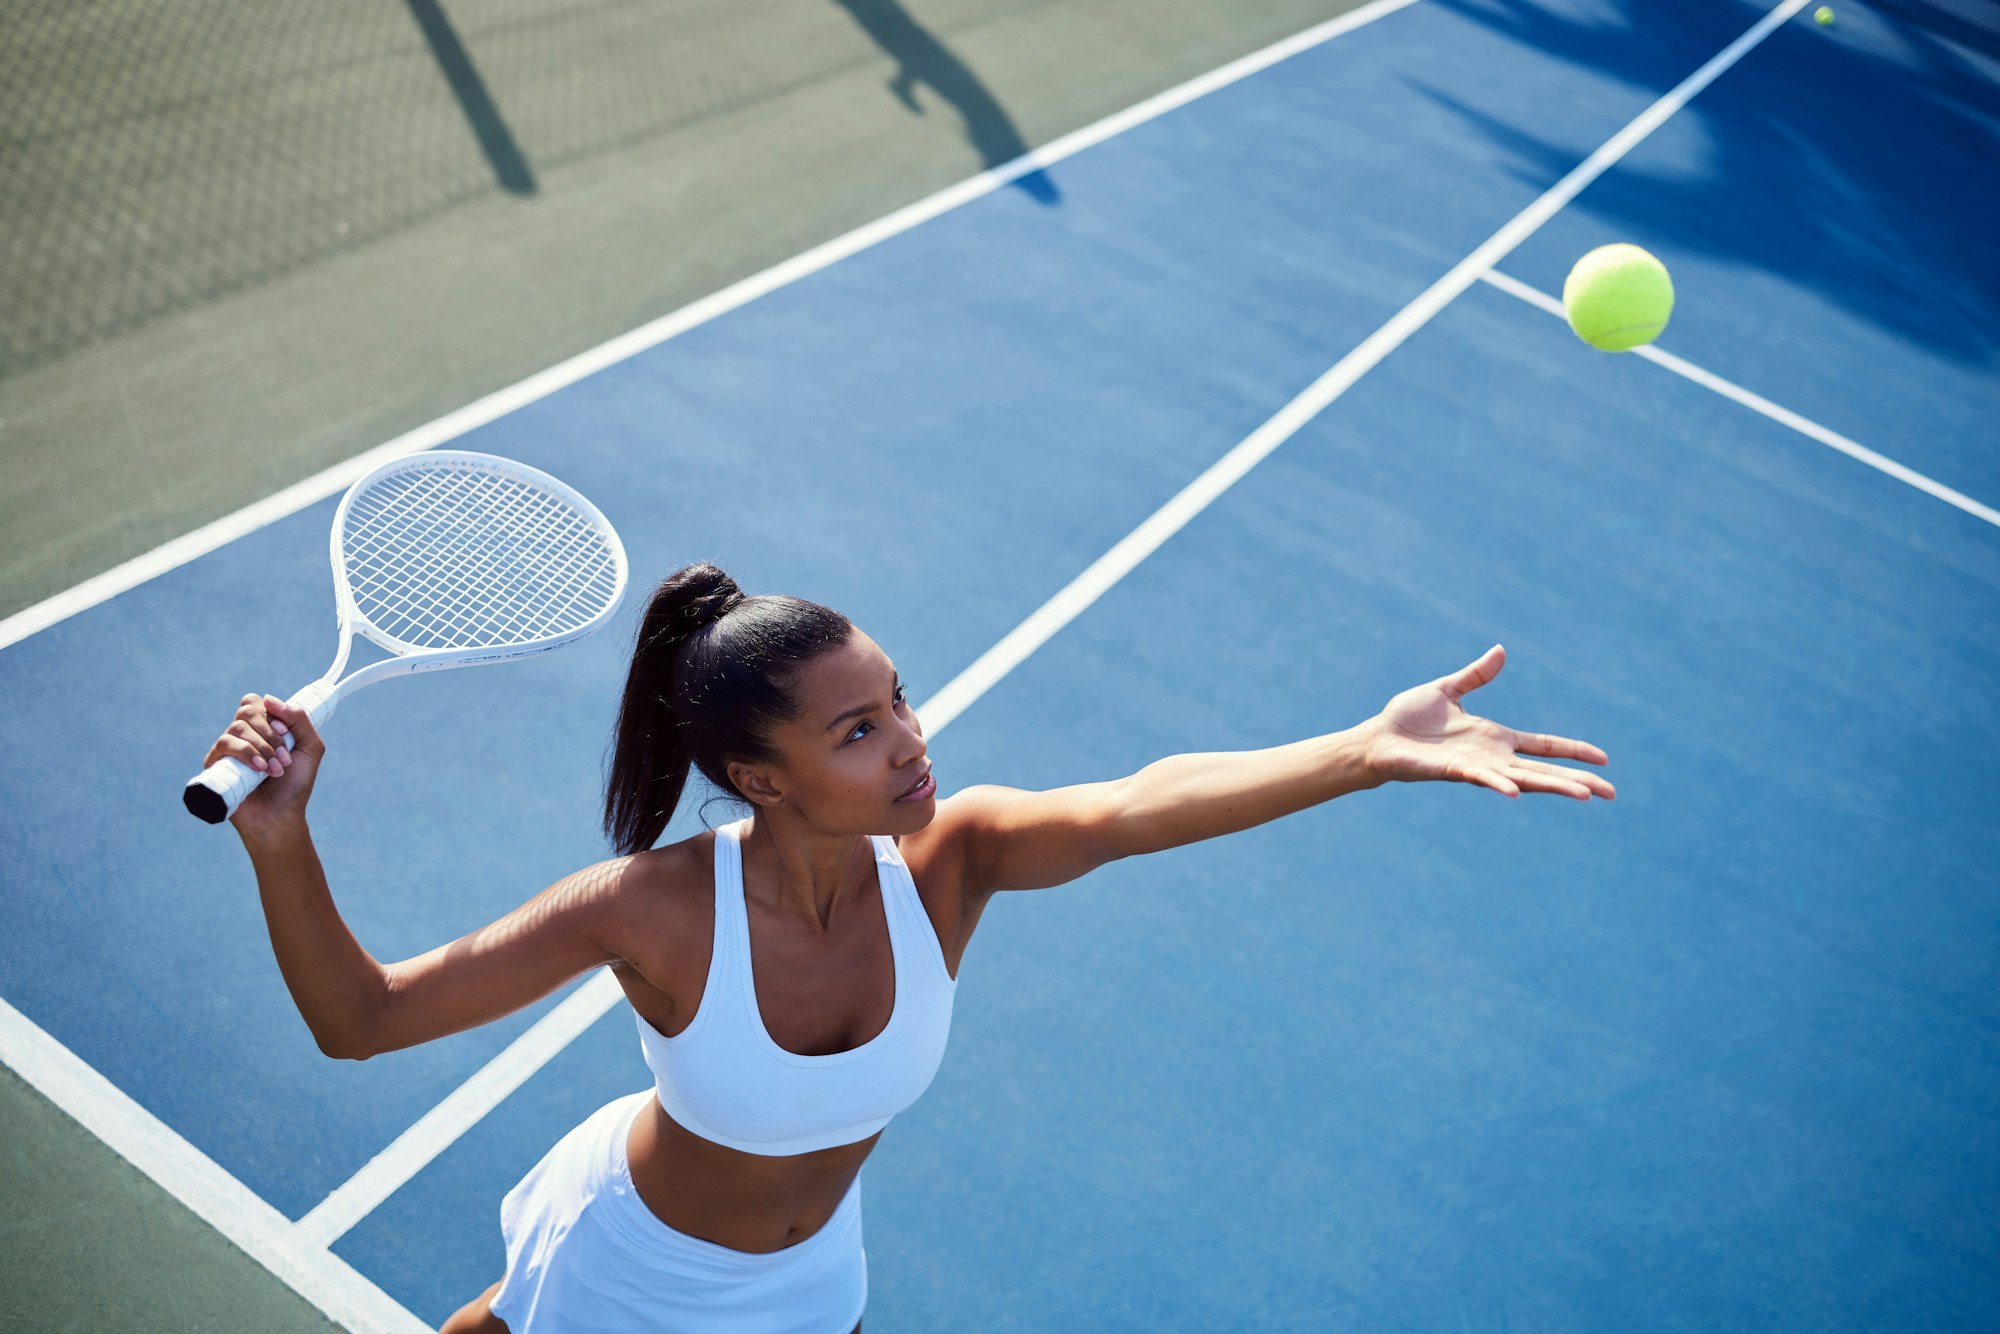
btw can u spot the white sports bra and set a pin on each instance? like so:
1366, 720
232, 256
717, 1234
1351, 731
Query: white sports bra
724, 1077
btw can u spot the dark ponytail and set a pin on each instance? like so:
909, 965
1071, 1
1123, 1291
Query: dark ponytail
711, 678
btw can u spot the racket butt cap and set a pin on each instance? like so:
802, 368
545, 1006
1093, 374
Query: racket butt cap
204, 803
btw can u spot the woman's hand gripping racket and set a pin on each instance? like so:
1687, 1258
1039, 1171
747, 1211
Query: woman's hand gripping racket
448, 559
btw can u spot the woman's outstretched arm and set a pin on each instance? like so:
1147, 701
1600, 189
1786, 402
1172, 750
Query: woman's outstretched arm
1028, 840
355, 1006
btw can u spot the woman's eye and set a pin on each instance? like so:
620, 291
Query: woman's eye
861, 729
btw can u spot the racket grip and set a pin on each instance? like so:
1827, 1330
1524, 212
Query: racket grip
214, 794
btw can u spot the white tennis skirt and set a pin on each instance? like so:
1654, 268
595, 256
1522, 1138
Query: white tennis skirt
586, 1256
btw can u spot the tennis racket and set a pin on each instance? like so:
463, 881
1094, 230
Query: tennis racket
448, 559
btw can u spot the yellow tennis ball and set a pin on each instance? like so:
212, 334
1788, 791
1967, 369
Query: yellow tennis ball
1618, 297
1824, 15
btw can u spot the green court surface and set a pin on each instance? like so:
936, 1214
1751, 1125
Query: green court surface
240, 246
87, 1242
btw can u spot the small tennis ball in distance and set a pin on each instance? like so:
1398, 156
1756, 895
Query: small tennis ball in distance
1823, 15
1618, 297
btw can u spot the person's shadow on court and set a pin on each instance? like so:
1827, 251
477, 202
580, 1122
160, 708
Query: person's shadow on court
922, 58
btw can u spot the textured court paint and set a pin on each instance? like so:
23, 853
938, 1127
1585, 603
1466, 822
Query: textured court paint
1055, 425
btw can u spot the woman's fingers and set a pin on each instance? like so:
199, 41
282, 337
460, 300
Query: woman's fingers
1590, 782
232, 746
1520, 776
244, 730
1558, 748
255, 748
1561, 787
255, 738
1491, 778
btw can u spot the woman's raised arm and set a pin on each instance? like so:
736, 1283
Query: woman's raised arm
1028, 840
355, 1006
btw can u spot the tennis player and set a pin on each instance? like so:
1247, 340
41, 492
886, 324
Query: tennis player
791, 974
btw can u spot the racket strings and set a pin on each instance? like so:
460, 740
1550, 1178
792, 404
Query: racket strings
464, 558
467, 608
498, 581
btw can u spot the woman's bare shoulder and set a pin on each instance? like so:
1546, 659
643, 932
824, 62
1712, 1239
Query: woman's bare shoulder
674, 878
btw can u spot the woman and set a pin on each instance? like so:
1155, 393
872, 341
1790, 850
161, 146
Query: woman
792, 974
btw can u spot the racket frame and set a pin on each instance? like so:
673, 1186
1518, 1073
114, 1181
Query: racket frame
215, 793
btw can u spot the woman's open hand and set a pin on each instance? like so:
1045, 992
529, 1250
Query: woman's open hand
1425, 734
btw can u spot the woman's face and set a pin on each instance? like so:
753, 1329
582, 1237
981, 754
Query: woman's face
854, 759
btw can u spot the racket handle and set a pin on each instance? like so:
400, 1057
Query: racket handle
214, 794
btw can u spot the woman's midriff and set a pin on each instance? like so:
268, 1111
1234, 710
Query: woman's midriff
744, 1201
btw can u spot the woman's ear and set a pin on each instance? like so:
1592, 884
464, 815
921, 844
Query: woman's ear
756, 783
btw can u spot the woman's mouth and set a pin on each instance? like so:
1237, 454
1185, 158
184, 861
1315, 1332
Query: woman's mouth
926, 788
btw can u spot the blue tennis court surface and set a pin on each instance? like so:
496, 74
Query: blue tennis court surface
1724, 1054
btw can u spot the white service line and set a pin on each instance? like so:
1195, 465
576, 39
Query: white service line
1758, 403
196, 1180
320, 485
964, 690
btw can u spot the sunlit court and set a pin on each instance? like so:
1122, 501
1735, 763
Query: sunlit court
1185, 404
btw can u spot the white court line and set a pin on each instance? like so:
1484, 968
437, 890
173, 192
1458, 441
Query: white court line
965, 689
196, 1180
320, 485
1758, 403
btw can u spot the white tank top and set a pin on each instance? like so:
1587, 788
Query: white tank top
725, 1078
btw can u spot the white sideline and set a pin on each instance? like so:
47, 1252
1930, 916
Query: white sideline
320, 485
196, 1180
1805, 426
965, 689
